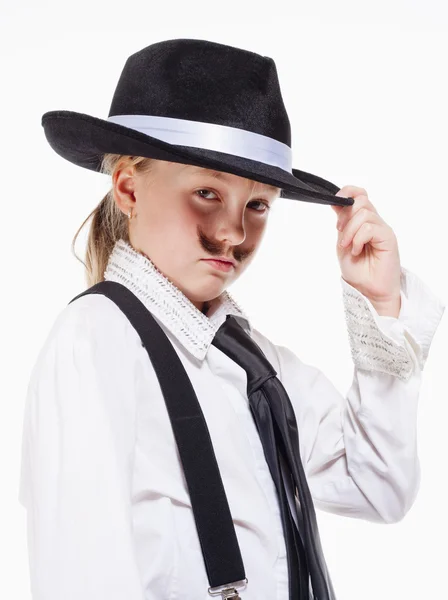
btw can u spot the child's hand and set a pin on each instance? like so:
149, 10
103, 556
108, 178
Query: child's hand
369, 257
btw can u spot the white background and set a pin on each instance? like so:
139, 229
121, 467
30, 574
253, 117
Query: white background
365, 86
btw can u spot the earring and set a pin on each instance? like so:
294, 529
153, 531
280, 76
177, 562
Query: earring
129, 214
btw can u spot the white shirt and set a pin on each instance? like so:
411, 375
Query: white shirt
108, 512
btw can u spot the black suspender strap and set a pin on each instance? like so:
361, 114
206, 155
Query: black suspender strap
216, 531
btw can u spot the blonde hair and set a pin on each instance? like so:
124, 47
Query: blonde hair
109, 223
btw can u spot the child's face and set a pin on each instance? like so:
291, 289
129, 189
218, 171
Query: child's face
183, 214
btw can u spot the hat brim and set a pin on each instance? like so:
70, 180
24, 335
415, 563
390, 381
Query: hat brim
83, 140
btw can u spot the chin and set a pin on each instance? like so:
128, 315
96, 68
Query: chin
207, 291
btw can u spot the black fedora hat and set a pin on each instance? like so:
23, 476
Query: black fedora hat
200, 103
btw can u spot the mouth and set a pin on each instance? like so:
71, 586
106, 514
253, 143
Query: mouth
221, 265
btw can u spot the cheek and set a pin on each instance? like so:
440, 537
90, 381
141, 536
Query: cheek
255, 230
188, 217
175, 226
183, 222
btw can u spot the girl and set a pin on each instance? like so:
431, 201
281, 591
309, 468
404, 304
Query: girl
197, 145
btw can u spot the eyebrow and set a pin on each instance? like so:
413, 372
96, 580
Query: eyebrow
223, 175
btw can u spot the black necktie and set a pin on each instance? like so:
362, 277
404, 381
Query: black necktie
274, 417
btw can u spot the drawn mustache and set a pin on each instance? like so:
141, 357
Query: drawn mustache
215, 248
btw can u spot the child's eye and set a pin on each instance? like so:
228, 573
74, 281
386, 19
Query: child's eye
259, 202
204, 190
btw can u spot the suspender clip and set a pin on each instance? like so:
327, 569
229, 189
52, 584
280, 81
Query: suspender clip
229, 591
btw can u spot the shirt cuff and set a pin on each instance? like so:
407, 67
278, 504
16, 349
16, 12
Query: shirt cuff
389, 344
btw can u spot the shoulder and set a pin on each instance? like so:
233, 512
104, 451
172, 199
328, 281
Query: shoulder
312, 393
90, 327
284, 360
96, 311
94, 317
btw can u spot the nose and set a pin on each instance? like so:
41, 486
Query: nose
231, 228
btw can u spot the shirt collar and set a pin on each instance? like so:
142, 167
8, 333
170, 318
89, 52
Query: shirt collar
194, 330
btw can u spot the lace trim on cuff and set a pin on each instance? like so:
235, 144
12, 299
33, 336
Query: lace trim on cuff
370, 348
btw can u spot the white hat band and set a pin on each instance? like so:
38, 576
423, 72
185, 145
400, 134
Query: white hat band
211, 136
